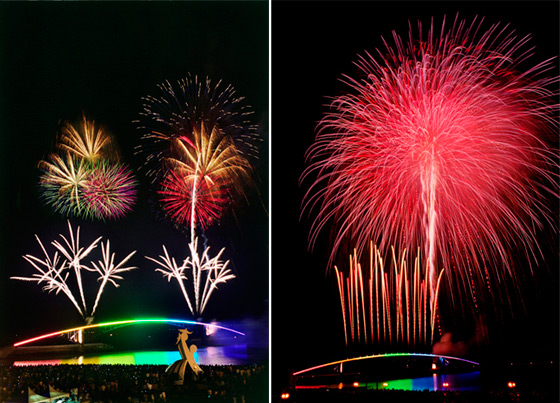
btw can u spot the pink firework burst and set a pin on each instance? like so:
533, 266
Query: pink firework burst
178, 198
442, 144
110, 191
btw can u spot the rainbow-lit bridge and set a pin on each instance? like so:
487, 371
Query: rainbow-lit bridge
76, 333
402, 371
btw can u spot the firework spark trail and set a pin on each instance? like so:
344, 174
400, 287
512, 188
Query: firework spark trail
55, 272
89, 141
180, 110
52, 275
171, 270
177, 194
401, 304
109, 271
62, 183
442, 143
212, 269
74, 254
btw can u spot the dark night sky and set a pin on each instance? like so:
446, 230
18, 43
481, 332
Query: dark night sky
58, 60
312, 46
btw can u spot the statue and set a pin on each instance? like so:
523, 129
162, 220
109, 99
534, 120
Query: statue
187, 358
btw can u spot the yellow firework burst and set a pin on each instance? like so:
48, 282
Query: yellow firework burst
87, 140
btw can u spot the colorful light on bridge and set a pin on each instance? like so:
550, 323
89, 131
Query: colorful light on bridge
124, 323
385, 356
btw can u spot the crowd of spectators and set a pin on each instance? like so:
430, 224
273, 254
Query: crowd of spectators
136, 383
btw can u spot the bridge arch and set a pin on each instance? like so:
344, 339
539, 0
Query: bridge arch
125, 323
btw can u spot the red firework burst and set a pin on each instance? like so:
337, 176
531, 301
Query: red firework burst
441, 145
178, 198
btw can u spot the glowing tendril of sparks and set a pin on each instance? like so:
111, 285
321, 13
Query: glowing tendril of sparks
443, 142
68, 258
205, 272
197, 136
87, 141
387, 301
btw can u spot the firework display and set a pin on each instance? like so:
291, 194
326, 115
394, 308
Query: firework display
387, 301
89, 141
84, 179
443, 145
67, 259
204, 270
185, 195
197, 145
110, 191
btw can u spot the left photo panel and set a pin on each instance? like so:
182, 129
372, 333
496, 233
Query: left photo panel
134, 154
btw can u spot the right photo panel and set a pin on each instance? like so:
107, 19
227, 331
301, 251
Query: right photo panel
415, 201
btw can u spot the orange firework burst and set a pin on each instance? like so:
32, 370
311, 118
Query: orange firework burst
87, 141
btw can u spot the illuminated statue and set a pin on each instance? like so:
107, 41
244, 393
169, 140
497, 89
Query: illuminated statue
187, 358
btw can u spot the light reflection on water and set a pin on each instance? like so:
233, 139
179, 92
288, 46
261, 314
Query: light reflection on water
212, 355
456, 382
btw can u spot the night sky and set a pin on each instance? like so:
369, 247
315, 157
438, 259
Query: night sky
313, 45
61, 59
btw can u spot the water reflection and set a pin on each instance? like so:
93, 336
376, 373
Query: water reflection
455, 382
212, 355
